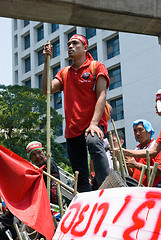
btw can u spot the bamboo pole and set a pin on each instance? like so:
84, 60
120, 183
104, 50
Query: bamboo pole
55, 222
57, 180
122, 155
17, 231
152, 176
114, 159
59, 199
76, 182
48, 122
148, 166
141, 176
25, 235
121, 165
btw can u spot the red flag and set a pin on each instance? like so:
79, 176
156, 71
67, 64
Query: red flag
23, 189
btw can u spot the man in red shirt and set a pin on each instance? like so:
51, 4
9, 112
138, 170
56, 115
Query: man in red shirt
84, 103
143, 132
157, 146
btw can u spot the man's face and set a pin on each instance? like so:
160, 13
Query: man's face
38, 157
76, 49
159, 113
141, 135
115, 142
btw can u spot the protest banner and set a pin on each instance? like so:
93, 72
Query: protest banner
117, 213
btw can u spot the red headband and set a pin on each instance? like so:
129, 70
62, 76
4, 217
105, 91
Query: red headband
79, 37
158, 97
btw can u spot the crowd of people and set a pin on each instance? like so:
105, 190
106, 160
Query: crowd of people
84, 84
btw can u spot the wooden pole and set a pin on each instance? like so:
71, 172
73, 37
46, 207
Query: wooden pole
18, 232
114, 159
148, 166
76, 182
56, 180
48, 122
141, 176
25, 235
121, 165
122, 155
152, 176
59, 199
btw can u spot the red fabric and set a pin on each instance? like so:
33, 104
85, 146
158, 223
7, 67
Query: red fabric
23, 190
159, 138
137, 173
158, 97
80, 38
80, 98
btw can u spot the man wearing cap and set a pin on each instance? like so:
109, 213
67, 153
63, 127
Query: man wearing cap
84, 102
156, 148
143, 132
36, 154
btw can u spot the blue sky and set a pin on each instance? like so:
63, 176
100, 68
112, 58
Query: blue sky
5, 51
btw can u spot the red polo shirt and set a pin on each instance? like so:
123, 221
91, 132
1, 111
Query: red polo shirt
159, 138
137, 173
80, 98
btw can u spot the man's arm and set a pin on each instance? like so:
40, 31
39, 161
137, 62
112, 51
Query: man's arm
55, 83
99, 108
142, 153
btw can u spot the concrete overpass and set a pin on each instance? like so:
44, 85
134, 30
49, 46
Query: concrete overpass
135, 16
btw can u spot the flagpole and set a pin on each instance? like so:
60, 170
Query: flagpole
48, 123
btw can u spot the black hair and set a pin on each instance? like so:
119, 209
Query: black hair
120, 134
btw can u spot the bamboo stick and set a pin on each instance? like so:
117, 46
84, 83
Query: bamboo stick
122, 155
148, 166
55, 222
152, 176
59, 200
25, 235
57, 180
141, 176
17, 231
121, 165
48, 122
76, 182
114, 159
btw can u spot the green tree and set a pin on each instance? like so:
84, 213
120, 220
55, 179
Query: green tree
23, 119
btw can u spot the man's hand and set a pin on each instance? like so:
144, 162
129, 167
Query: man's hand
131, 162
93, 128
48, 50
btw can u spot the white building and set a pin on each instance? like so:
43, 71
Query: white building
133, 62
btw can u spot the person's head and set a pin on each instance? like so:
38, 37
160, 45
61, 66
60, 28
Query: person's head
36, 153
158, 102
121, 138
77, 47
143, 131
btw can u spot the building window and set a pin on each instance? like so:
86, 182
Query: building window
15, 24
55, 70
57, 100
54, 27
71, 34
15, 41
16, 77
56, 48
27, 41
28, 83
27, 65
117, 112
40, 57
16, 59
60, 130
113, 48
115, 78
40, 33
40, 81
26, 22
93, 52
90, 32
